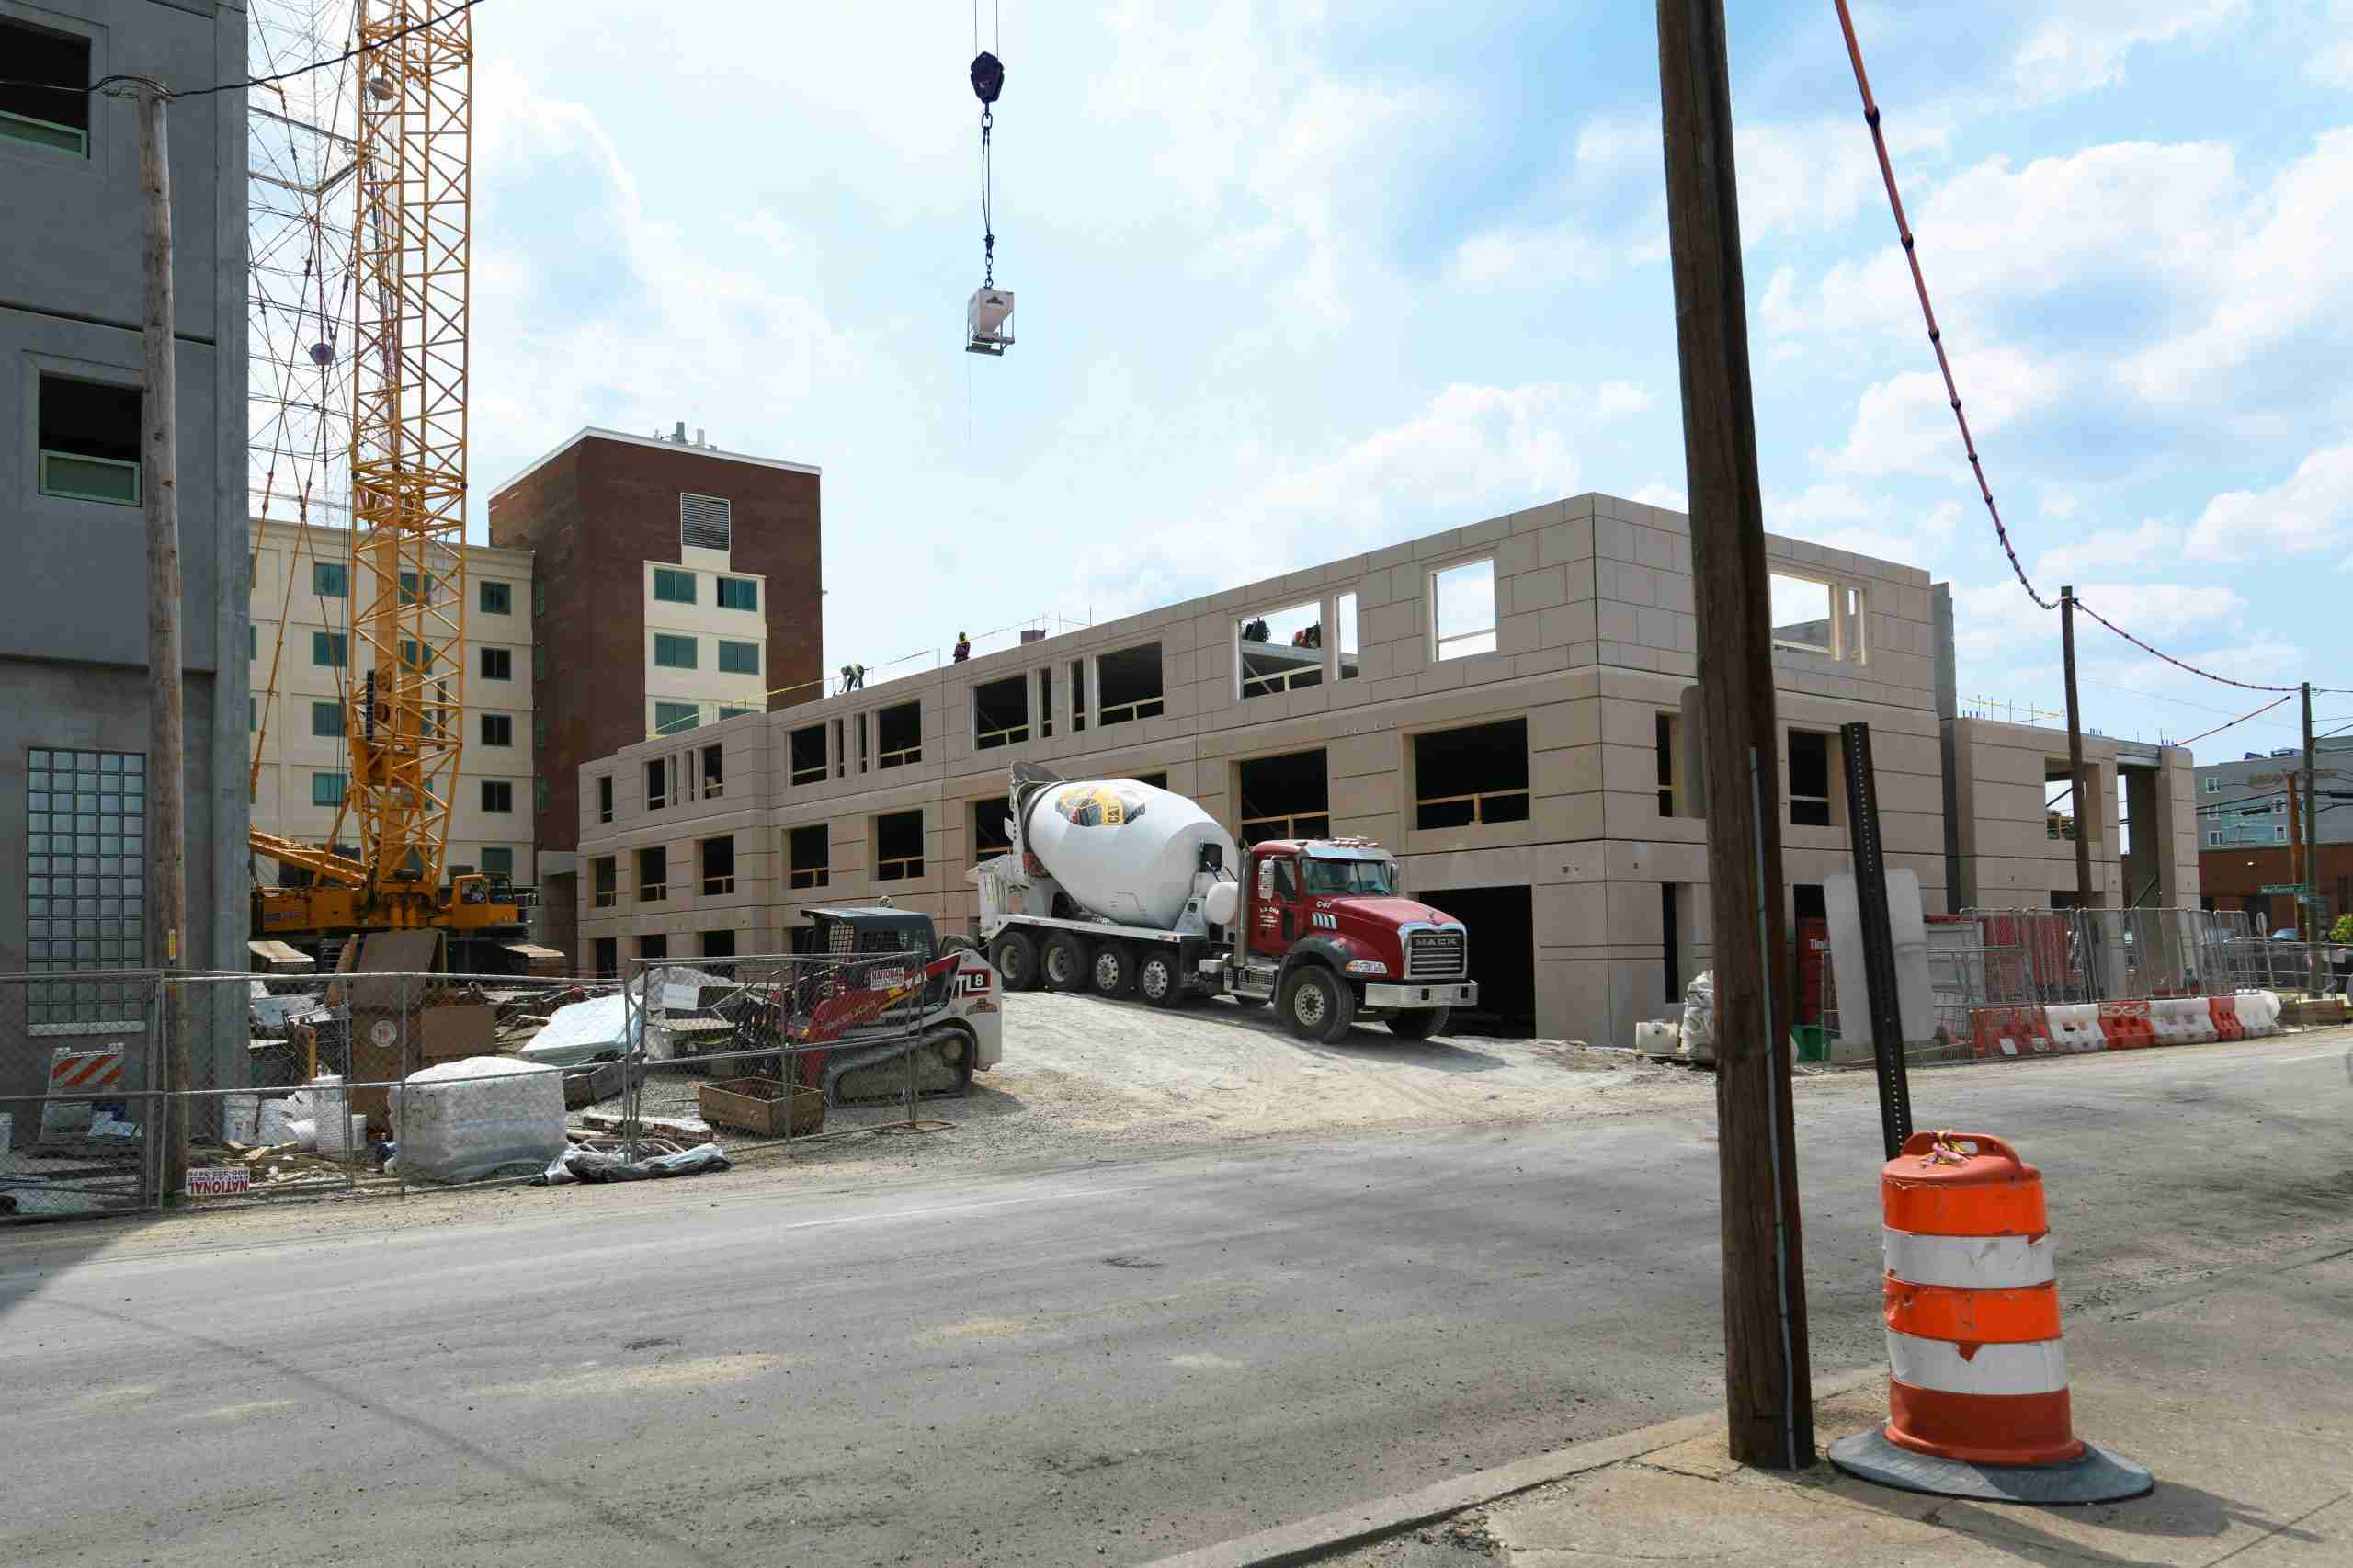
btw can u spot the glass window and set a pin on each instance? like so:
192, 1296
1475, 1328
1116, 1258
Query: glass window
85, 903
411, 594
29, 114
497, 664
326, 719
89, 437
738, 593
330, 579
498, 598
498, 729
739, 658
498, 860
1462, 610
330, 650
673, 653
498, 796
1809, 778
253, 642
674, 588
669, 718
726, 713
327, 788
605, 798
1367, 878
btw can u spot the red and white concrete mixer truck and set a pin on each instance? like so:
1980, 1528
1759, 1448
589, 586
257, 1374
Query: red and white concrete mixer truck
1112, 885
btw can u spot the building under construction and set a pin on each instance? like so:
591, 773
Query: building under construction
1501, 704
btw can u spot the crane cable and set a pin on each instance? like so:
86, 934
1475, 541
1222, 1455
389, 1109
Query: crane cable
988, 81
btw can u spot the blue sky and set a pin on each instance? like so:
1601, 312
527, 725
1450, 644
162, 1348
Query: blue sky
1298, 280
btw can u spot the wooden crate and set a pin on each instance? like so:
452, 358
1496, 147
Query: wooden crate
760, 1106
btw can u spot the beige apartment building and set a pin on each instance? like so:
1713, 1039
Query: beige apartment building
1501, 704
302, 582
2014, 822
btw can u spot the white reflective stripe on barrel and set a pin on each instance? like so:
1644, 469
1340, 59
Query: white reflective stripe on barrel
1983, 1263
2040, 1368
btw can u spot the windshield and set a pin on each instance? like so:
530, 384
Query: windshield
1368, 878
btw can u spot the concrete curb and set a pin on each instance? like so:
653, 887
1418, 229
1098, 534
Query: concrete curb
1308, 1540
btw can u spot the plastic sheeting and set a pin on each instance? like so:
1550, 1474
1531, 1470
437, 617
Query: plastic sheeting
596, 1166
1700, 1018
466, 1120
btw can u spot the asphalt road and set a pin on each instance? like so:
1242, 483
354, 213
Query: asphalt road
1063, 1367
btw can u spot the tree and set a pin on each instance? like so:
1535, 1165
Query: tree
2343, 930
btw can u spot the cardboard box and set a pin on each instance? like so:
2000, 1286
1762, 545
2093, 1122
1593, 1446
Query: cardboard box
600, 1083
759, 1106
459, 1029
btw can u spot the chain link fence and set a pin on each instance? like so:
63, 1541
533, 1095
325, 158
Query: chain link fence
80, 1058
786, 1047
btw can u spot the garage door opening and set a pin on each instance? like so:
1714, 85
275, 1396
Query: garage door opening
1502, 923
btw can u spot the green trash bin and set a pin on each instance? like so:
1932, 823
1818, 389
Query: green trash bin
1812, 1042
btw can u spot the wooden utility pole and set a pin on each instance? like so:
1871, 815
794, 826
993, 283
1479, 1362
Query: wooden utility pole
168, 935
2087, 895
2307, 899
1767, 1395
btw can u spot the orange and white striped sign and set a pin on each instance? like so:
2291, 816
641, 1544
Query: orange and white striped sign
1977, 1368
85, 1071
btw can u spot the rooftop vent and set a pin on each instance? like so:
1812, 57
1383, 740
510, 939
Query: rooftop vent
705, 522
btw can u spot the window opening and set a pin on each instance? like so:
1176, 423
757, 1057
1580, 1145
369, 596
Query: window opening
1809, 778
606, 875
1801, 611
1285, 797
899, 735
652, 875
898, 847
1462, 610
719, 866
1128, 685
1472, 776
1350, 667
1001, 713
808, 754
806, 853
1281, 650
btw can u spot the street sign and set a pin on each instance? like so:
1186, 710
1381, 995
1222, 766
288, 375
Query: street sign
2284, 888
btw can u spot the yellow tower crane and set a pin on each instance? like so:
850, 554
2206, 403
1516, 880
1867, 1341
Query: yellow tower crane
404, 719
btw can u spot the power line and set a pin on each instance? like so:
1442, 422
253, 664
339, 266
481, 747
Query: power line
1927, 313
105, 82
1952, 392
2233, 724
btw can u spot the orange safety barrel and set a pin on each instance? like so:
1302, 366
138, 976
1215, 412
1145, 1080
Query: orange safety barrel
1978, 1372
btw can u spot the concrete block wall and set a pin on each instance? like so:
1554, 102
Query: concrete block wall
2008, 857
1593, 639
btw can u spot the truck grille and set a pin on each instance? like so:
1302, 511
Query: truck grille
1434, 955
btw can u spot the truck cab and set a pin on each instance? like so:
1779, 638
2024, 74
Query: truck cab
1323, 932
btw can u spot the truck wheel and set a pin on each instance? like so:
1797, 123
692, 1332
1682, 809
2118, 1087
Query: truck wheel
1161, 980
957, 944
1115, 969
1317, 1005
1420, 1023
1064, 962
1016, 958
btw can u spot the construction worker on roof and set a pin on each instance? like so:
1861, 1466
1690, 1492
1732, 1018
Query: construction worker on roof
963, 647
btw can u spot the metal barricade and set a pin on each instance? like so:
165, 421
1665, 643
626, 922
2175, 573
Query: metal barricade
80, 1056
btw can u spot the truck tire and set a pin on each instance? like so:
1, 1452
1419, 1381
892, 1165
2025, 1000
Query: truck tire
1160, 979
1016, 958
958, 944
1065, 963
1317, 1005
1419, 1023
1115, 969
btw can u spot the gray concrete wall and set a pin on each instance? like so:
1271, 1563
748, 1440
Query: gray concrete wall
72, 621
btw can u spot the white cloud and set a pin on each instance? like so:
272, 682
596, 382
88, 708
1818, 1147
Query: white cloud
2083, 47
1806, 177
1619, 398
1838, 516
1473, 452
1540, 257
2285, 264
2108, 550
1997, 622
1658, 493
2332, 64
1904, 424
681, 314
2310, 510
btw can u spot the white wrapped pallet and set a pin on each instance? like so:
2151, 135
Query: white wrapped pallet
462, 1120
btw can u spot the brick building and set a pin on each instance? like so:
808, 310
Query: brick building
2246, 843
674, 584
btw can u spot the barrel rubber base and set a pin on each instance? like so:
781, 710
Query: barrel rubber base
2097, 1477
